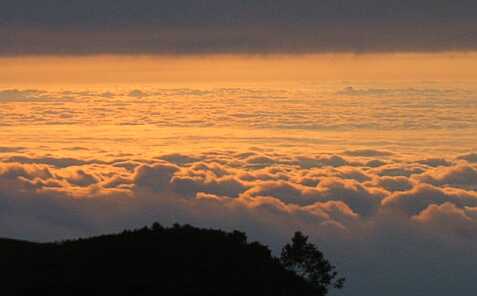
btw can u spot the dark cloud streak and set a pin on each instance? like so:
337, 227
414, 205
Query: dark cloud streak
226, 26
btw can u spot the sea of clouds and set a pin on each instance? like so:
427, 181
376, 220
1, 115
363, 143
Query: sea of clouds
398, 215
310, 107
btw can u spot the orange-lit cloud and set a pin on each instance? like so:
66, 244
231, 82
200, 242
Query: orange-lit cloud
375, 171
340, 204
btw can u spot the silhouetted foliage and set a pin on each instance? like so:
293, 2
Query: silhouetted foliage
181, 260
308, 262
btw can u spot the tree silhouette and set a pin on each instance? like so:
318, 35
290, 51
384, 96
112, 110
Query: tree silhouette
308, 262
156, 260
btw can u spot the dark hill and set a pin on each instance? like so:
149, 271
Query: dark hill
181, 260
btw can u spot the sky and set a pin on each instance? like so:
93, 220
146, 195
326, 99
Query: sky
353, 121
229, 26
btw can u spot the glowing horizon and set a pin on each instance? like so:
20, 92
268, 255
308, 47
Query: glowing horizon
352, 121
209, 69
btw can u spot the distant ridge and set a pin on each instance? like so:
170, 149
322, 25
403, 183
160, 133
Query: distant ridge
13, 245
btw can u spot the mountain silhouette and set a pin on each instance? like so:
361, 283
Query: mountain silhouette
180, 260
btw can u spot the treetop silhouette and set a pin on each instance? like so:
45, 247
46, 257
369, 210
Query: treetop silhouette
156, 260
308, 262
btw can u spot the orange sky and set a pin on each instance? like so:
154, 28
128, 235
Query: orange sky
31, 71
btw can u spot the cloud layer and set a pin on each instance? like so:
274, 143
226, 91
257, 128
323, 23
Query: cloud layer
218, 26
389, 220
308, 107
382, 177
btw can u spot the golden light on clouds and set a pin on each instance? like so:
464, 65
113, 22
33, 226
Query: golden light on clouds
344, 147
93, 70
352, 121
